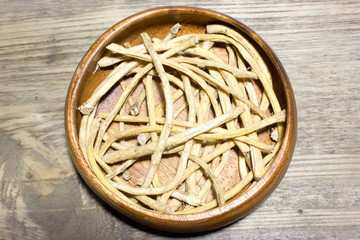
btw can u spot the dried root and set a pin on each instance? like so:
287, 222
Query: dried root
202, 106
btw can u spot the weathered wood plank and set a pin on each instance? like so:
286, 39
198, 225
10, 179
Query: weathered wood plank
42, 196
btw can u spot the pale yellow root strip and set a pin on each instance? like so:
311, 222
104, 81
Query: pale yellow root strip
256, 62
189, 70
217, 186
133, 84
228, 195
99, 174
105, 86
140, 119
205, 188
232, 192
174, 140
190, 199
190, 181
226, 105
279, 117
165, 132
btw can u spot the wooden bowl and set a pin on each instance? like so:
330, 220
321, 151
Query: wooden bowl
157, 21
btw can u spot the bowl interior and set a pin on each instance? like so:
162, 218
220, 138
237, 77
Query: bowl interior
157, 22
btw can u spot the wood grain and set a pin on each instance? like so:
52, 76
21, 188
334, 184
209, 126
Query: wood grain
42, 197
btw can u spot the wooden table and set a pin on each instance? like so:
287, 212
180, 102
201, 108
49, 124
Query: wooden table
43, 197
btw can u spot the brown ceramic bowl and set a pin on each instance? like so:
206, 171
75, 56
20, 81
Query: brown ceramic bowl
159, 20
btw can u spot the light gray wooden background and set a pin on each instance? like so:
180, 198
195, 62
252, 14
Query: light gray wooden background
42, 196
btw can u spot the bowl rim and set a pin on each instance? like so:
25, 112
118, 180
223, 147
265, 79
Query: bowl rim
210, 219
